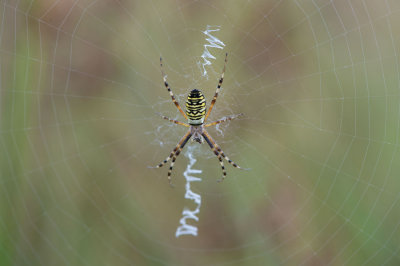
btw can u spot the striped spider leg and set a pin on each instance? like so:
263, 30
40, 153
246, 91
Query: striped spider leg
218, 89
175, 153
219, 152
228, 118
170, 91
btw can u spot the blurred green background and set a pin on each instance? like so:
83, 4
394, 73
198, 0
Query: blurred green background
318, 82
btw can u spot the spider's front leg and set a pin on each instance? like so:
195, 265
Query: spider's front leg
219, 153
175, 153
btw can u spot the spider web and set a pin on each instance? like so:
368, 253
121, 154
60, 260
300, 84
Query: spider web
318, 82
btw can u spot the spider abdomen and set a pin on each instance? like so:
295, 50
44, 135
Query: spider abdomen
195, 107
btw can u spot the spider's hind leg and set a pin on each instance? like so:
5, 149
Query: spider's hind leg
218, 89
170, 91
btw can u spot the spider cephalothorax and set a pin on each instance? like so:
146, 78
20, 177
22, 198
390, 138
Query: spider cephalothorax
196, 116
197, 132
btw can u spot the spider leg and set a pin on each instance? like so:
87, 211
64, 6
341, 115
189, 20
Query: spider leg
170, 91
170, 169
176, 155
180, 145
223, 120
222, 167
218, 89
173, 120
173, 161
218, 152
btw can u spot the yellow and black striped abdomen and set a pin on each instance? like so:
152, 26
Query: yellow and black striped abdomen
195, 107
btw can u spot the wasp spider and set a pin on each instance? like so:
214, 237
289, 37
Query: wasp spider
196, 122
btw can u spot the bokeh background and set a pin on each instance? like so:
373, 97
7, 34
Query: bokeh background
318, 82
